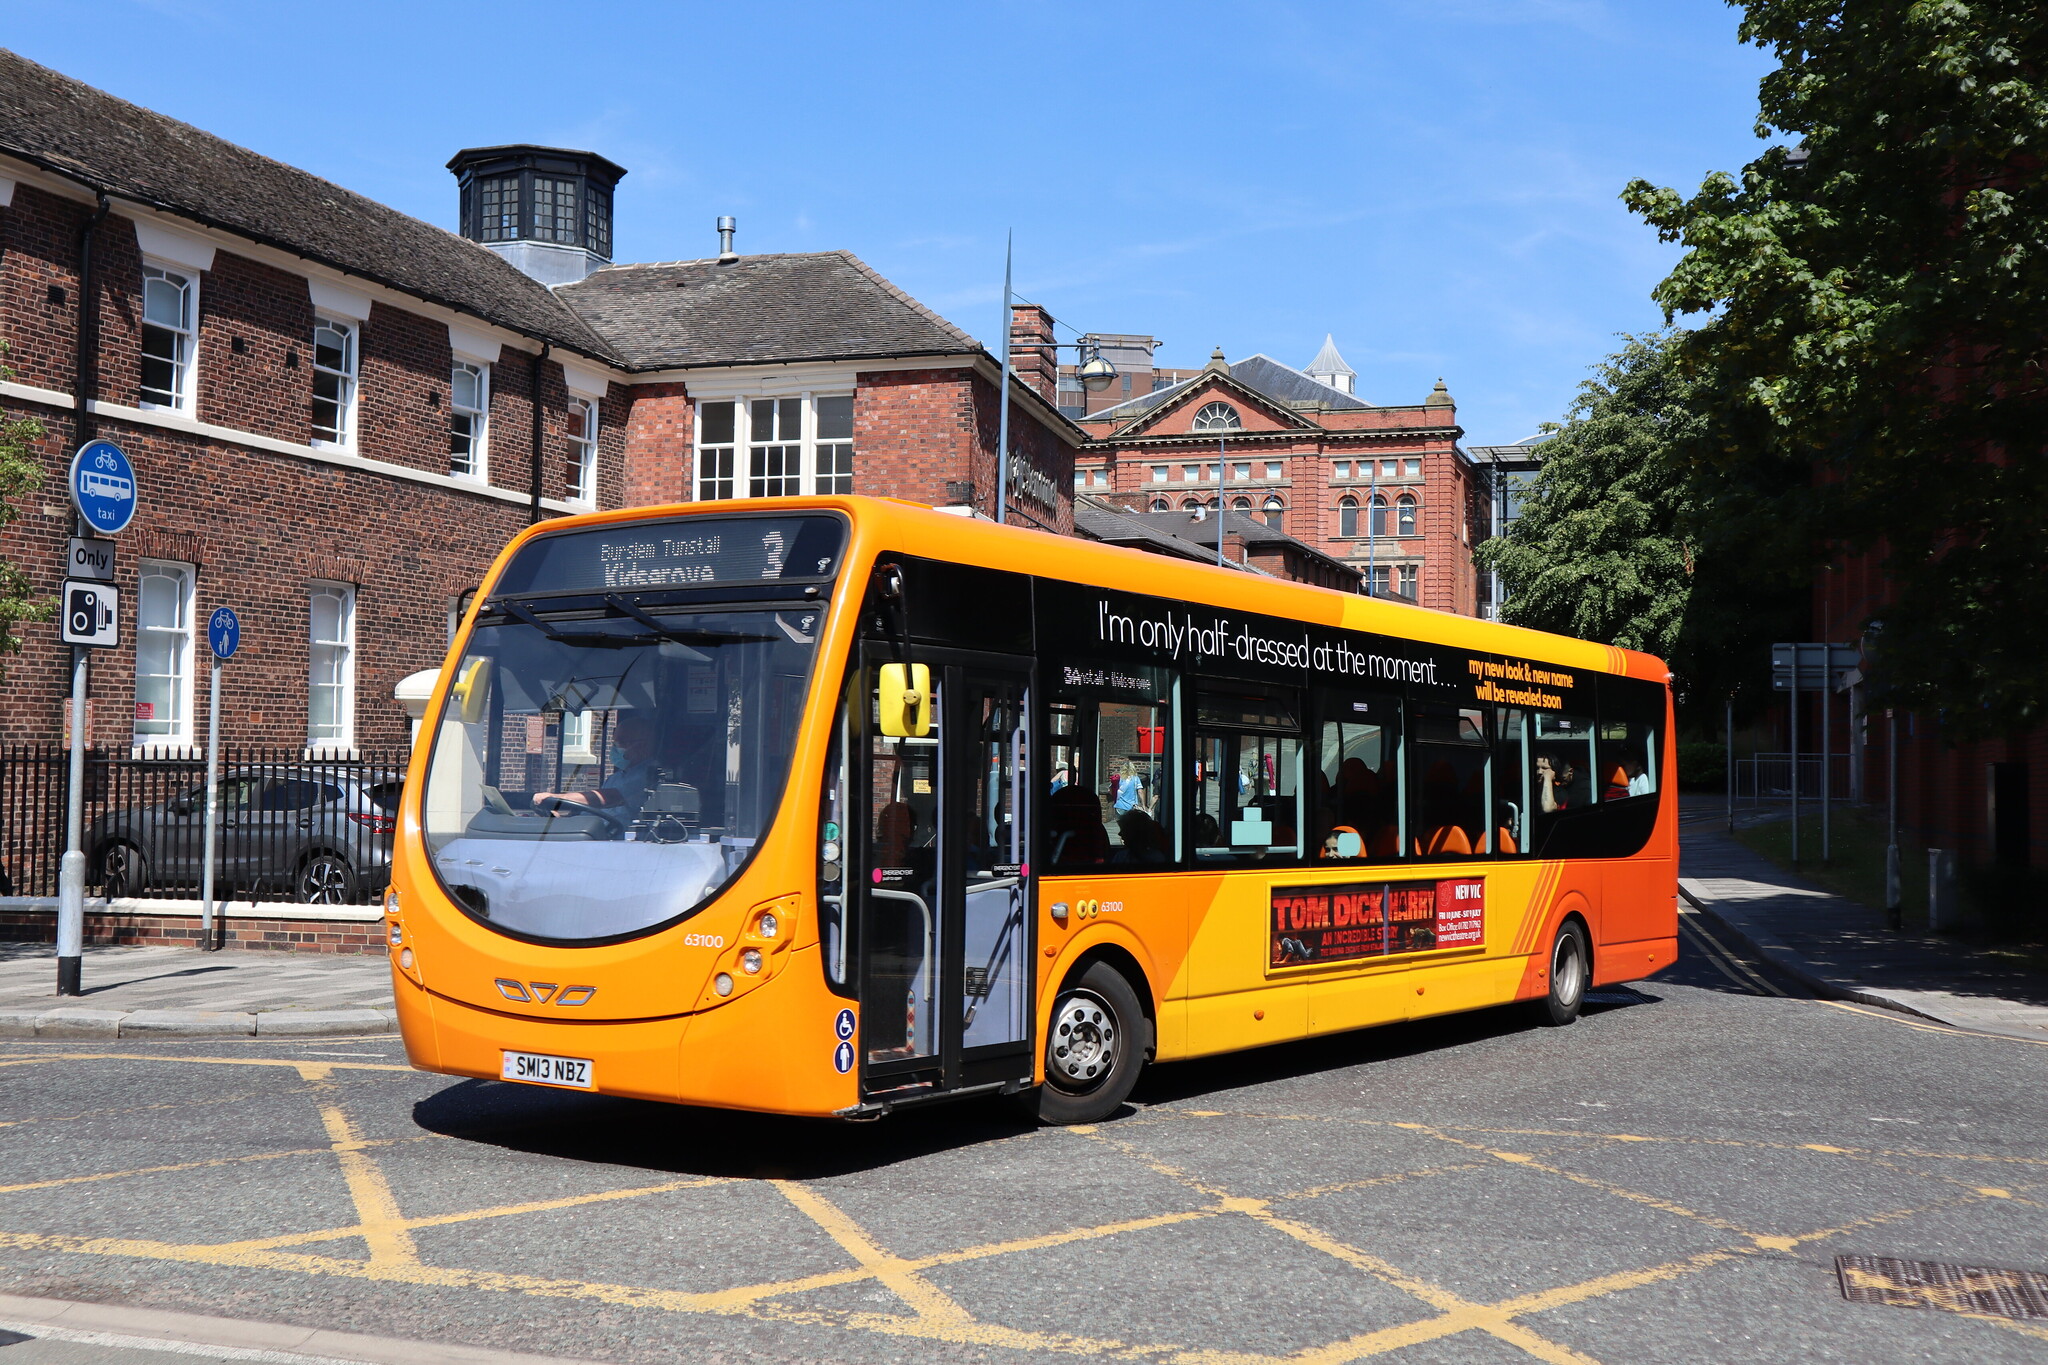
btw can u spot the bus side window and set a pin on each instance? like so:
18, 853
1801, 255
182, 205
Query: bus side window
1513, 785
1355, 778
1450, 782
1248, 770
1628, 759
1110, 797
1562, 769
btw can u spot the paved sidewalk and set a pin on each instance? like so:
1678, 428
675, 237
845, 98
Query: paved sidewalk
183, 992
1841, 948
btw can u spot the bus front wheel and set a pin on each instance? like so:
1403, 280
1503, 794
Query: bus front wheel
1094, 1048
1569, 972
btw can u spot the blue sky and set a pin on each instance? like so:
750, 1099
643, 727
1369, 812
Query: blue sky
1434, 182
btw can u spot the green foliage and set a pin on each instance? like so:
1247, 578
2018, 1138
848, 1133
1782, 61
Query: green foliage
1871, 372
1623, 538
20, 475
1702, 765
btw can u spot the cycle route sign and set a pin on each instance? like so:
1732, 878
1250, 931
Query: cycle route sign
103, 487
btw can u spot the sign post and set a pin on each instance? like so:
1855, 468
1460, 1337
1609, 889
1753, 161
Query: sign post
102, 485
224, 634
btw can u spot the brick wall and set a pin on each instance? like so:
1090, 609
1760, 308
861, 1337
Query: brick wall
38, 250
657, 443
267, 387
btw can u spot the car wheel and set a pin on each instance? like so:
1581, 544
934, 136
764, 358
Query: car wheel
1094, 1048
1569, 973
324, 879
123, 870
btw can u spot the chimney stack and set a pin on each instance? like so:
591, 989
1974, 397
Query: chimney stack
1032, 356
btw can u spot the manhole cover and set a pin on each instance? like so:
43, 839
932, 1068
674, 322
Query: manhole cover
1935, 1284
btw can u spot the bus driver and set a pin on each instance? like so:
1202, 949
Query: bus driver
632, 755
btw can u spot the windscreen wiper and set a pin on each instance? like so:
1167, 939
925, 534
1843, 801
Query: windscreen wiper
679, 634
520, 612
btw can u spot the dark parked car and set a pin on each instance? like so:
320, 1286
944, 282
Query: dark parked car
321, 834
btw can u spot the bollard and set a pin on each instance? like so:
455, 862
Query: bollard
1894, 890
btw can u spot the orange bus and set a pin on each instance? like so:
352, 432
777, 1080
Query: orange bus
831, 805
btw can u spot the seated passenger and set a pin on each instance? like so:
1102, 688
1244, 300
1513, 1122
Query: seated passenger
1143, 839
1074, 820
1640, 783
1555, 778
1343, 842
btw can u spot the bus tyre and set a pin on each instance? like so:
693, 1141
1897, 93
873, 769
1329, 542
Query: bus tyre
1569, 972
1094, 1048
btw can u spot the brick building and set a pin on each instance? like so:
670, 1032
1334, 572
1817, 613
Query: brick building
1241, 540
339, 414
1384, 489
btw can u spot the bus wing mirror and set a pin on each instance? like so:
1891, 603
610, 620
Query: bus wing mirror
472, 691
904, 693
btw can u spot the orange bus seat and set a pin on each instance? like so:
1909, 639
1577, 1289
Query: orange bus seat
1505, 840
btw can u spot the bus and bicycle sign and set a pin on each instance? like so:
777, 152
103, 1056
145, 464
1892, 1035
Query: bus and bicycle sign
103, 487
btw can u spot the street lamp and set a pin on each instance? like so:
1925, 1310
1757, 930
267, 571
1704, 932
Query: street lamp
1097, 374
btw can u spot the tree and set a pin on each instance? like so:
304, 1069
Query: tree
20, 475
1870, 369
1622, 539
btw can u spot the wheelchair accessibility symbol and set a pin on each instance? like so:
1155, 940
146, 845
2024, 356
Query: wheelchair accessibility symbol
843, 1026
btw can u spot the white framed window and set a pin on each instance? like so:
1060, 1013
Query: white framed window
774, 447
331, 686
334, 382
1347, 516
1191, 473
170, 311
1217, 417
1275, 469
1405, 579
1080, 479
163, 654
469, 420
1240, 471
834, 464
1411, 469
579, 478
1159, 473
1161, 505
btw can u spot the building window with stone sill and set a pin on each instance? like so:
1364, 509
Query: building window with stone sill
170, 309
163, 655
1347, 517
469, 406
1276, 470
331, 688
334, 382
1404, 515
579, 476
1159, 473
1379, 517
1404, 580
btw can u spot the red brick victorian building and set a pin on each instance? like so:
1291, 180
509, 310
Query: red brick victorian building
1384, 489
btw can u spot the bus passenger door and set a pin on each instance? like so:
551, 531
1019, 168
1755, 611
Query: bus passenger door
945, 931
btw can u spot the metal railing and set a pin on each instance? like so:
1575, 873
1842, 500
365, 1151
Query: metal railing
317, 830
1768, 777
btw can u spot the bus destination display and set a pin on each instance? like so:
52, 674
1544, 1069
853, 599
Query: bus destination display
700, 552
1352, 920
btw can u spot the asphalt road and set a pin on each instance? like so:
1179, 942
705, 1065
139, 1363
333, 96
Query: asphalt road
1670, 1179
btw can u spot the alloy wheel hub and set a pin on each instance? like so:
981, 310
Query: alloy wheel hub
1083, 1041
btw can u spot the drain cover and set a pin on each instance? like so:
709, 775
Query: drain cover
1935, 1284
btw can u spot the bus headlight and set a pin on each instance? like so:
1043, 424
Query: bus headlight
767, 926
750, 963
722, 983
405, 959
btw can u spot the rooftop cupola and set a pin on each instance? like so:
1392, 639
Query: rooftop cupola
1329, 368
547, 210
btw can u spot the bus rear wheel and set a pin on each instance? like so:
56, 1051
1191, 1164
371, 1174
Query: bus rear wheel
1569, 972
1094, 1048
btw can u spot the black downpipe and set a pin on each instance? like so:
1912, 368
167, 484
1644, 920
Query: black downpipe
539, 362
85, 385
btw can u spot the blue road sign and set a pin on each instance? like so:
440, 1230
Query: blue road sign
103, 487
223, 632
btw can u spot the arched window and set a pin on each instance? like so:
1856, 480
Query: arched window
1240, 504
1161, 505
1379, 515
1217, 417
1276, 513
1347, 516
1404, 514
1190, 504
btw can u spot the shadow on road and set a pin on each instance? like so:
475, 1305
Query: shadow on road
716, 1142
